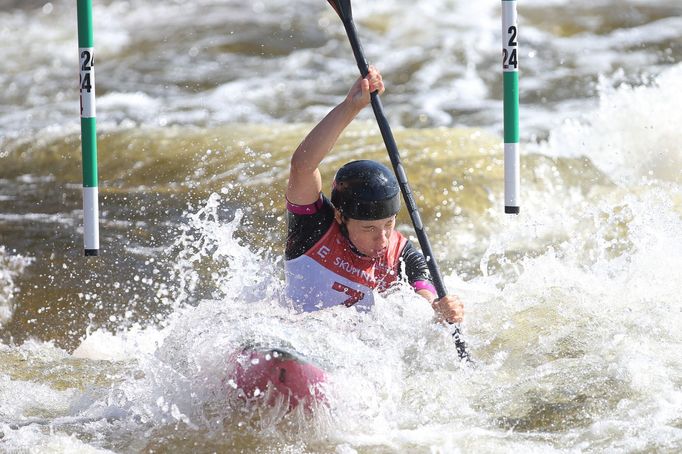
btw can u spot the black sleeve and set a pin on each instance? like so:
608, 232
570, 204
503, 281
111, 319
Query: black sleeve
414, 264
304, 230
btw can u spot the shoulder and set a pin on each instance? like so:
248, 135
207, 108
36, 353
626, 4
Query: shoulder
410, 254
396, 246
306, 224
415, 264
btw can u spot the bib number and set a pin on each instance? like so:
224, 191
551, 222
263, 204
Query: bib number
353, 295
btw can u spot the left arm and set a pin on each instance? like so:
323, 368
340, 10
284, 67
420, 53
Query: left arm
449, 308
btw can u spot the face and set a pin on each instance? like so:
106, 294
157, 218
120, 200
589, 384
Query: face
369, 237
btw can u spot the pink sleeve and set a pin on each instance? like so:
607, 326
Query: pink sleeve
302, 210
424, 285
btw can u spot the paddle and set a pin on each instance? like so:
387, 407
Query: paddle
343, 9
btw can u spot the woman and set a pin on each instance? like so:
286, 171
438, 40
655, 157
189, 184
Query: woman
338, 251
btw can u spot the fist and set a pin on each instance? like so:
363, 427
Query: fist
449, 308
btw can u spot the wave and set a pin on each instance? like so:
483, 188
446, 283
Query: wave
11, 267
634, 132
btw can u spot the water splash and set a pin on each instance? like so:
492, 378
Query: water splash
11, 266
633, 134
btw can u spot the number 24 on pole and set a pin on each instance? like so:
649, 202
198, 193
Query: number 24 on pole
510, 58
88, 62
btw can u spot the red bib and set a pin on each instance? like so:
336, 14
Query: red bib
330, 273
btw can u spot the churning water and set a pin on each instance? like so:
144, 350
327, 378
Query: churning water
573, 307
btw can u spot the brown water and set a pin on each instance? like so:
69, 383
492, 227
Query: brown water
572, 307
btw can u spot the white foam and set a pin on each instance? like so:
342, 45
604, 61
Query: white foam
577, 320
132, 343
42, 442
634, 132
11, 267
136, 106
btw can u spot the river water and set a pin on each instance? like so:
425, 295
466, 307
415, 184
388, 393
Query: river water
573, 307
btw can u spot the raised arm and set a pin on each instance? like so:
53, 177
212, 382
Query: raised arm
305, 182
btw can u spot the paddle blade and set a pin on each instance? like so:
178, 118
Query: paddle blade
342, 8
461, 346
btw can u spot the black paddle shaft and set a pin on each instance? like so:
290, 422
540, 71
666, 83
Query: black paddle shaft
343, 8
398, 168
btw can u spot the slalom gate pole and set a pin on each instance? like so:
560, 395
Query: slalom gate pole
510, 71
86, 53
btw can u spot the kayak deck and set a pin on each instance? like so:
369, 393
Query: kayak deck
272, 374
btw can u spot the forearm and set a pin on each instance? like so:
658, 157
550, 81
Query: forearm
319, 142
427, 295
305, 182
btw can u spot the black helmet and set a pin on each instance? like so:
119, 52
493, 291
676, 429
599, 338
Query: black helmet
366, 190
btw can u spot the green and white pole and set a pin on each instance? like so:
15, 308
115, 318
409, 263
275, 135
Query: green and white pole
86, 53
510, 69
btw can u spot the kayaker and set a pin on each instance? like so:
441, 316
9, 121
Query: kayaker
338, 251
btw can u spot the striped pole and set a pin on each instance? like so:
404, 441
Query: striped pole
510, 70
86, 54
